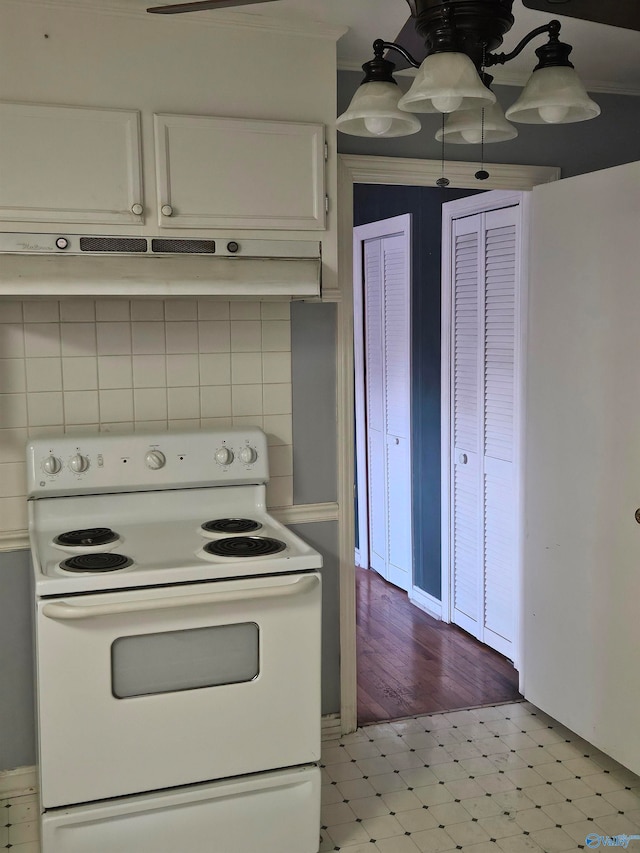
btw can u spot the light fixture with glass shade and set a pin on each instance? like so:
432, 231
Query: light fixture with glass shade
446, 82
459, 38
473, 127
554, 93
374, 110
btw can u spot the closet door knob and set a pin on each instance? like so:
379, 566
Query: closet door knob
463, 459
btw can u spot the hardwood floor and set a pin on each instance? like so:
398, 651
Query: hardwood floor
410, 663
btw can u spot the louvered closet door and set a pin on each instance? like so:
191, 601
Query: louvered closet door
483, 401
465, 421
499, 438
397, 408
376, 453
387, 388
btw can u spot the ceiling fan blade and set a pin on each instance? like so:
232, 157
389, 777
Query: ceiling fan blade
616, 13
411, 41
201, 5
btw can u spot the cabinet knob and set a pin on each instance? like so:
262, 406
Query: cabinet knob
137, 209
463, 459
166, 210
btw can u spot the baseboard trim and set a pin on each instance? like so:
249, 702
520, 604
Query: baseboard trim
331, 727
18, 782
426, 602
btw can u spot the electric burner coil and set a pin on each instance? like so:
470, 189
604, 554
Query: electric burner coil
96, 563
90, 536
231, 525
245, 546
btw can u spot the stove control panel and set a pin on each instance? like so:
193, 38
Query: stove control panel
103, 462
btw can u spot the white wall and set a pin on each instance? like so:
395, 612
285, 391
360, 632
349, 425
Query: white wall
582, 479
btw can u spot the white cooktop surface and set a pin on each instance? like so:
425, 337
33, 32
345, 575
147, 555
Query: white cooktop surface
161, 532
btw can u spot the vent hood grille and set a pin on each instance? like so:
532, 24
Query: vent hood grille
79, 265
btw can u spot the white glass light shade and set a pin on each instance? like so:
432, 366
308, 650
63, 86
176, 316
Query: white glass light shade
465, 127
373, 111
553, 95
446, 82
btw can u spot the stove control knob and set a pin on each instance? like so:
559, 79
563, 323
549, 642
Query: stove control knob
224, 456
248, 455
78, 463
155, 459
51, 465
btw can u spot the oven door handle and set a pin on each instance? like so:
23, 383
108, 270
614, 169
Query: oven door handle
64, 611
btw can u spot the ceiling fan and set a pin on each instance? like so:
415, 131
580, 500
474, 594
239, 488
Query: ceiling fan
201, 5
616, 13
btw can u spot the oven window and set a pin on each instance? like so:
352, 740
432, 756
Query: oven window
184, 660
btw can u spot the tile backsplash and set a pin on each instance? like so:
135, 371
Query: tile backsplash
78, 365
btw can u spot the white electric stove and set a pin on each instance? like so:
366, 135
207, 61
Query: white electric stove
178, 648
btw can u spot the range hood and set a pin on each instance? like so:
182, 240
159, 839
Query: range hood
97, 265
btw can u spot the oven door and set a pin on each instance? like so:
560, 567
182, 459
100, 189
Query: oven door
147, 689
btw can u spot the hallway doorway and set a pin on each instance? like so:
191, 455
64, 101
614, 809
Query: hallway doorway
394, 172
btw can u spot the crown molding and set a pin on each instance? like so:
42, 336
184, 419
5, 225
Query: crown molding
222, 18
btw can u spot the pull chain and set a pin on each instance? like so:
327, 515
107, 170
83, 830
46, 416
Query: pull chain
482, 174
442, 181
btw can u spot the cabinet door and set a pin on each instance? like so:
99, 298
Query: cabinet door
70, 164
235, 173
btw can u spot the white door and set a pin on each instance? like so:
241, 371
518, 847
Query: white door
581, 626
384, 270
481, 285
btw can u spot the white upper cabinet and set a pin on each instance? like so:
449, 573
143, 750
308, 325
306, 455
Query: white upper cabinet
236, 173
83, 165
70, 164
